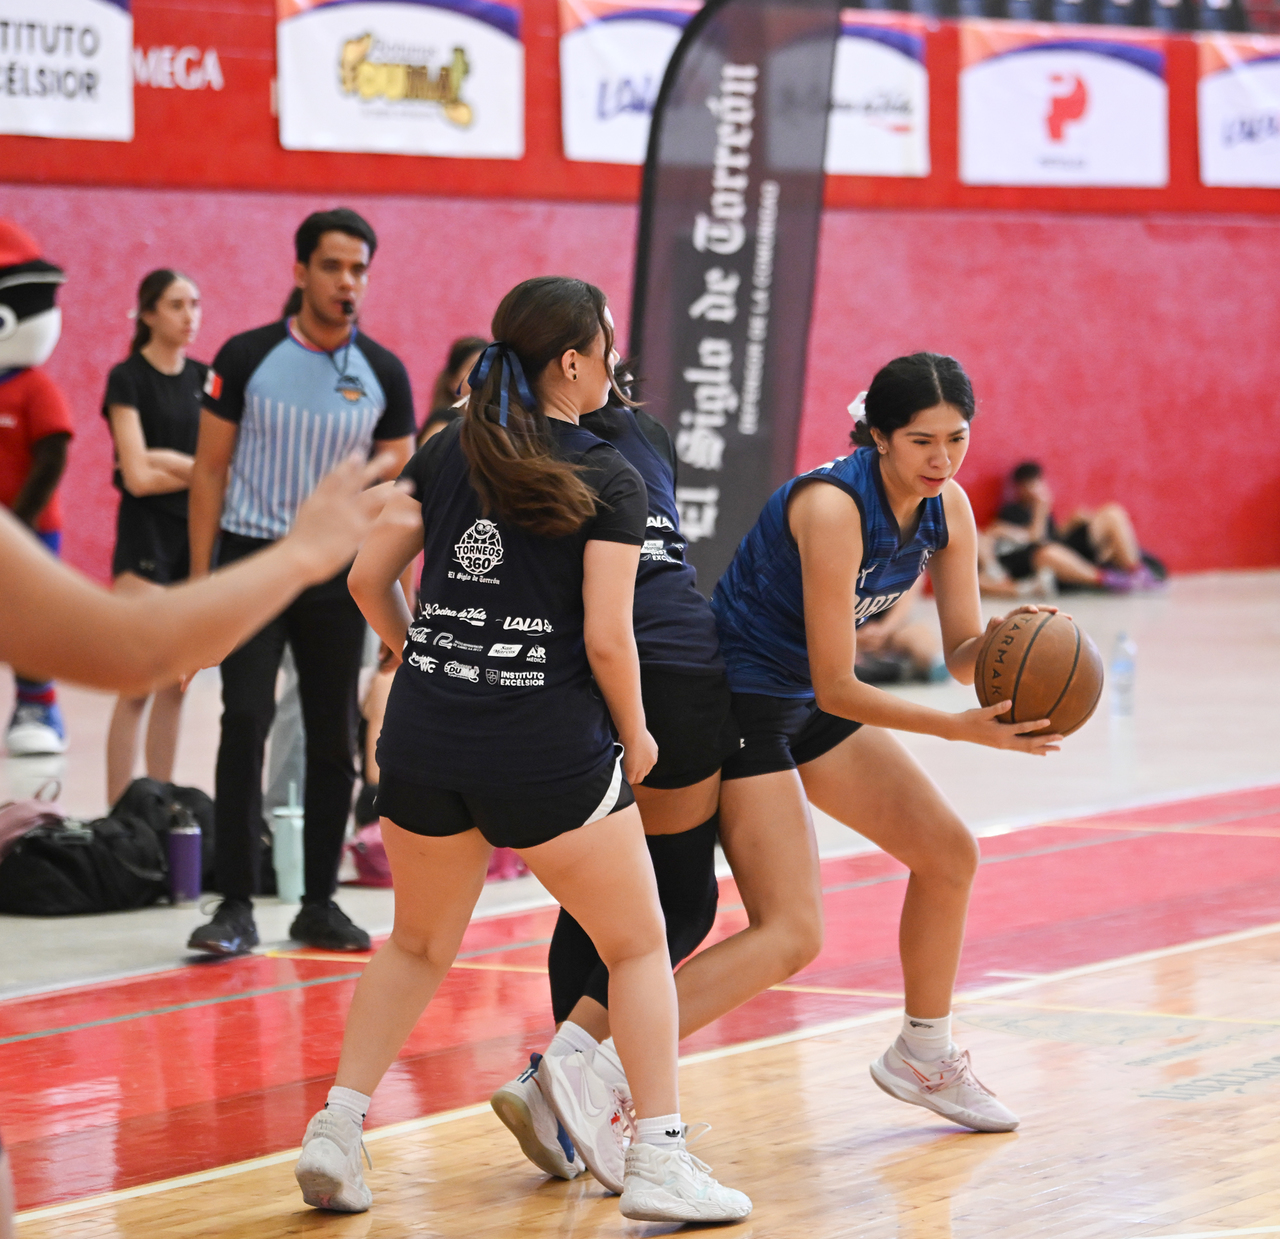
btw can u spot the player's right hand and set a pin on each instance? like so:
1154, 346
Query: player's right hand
337, 516
983, 726
639, 755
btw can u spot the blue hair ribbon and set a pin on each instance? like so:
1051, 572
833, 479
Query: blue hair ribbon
511, 370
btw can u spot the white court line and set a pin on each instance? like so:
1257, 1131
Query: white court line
86, 1203
1220, 1234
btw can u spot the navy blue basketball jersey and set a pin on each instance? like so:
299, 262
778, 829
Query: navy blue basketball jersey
759, 602
675, 630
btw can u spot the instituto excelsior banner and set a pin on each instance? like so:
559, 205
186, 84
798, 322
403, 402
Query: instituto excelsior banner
1239, 105
409, 77
66, 69
1062, 105
726, 253
613, 54
879, 122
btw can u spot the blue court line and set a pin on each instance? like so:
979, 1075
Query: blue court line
1136, 832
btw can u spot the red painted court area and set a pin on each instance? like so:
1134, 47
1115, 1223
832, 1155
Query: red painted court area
108, 1086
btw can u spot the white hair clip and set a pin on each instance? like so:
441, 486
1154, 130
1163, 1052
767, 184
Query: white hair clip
858, 408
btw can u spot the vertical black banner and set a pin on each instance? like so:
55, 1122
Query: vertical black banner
725, 259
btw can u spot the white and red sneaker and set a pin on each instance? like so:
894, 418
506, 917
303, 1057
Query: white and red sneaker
593, 1111
522, 1107
948, 1087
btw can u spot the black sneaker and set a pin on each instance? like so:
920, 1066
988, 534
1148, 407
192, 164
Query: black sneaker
231, 932
327, 927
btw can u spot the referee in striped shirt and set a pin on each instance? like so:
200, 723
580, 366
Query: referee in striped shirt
283, 404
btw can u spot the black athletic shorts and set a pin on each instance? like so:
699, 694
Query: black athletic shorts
150, 543
505, 821
1018, 564
691, 718
1077, 538
781, 733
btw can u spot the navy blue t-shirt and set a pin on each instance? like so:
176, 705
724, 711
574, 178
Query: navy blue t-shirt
675, 630
759, 602
495, 693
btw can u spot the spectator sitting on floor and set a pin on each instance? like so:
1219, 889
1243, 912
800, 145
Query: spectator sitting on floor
1097, 549
895, 646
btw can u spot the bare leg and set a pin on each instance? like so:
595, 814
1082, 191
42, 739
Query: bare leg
919, 642
162, 732
602, 876
871, 783
665, 811
1112, 537
1065, 564
768, 838
122, 744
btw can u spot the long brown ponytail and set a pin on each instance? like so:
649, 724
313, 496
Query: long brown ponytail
514, 467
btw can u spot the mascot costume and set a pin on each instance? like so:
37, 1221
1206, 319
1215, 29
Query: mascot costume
35, 429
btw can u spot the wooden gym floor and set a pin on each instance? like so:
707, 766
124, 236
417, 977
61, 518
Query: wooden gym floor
1118, 991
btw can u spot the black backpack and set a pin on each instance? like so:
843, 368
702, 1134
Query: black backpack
160, 805
70, 868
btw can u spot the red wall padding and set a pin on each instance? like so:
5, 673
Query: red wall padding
1134, 355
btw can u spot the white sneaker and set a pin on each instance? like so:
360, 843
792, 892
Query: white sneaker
948, 1087
524, 1110
329, 1169
596, 1117
34, 731
671, 1185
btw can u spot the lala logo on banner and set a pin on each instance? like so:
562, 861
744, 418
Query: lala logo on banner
1053, 105
1239, 105
409, 77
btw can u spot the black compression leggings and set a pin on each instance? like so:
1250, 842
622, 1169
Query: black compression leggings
685, 867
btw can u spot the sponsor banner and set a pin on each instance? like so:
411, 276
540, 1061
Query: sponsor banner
726, 253
879, 97
66, 69
444, 77
613, 54
1239, 106
1062, 105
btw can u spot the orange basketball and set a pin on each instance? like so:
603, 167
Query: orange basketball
1046, 665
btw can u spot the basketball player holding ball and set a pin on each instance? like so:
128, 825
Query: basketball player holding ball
832, 548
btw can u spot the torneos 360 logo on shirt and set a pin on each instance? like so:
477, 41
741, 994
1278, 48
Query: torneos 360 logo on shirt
479, 550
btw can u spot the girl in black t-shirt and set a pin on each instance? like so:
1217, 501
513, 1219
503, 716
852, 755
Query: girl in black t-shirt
152, 406
499, 732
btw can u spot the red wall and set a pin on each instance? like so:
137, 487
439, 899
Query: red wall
1134, 354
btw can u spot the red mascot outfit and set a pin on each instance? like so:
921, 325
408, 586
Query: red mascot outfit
35, 429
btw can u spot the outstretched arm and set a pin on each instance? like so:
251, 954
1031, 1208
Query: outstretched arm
59, 624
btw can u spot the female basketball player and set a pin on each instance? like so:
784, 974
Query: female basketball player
686, 702
152, 405
495, 734
831, 548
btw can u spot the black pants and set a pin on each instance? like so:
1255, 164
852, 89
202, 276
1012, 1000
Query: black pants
685, 868
325, 630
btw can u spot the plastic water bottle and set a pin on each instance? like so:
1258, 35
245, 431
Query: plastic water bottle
286, 848
1123, 670
185, 857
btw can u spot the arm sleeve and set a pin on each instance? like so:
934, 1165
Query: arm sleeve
622, 507
48, 412
397, 419
121, 389
225, 383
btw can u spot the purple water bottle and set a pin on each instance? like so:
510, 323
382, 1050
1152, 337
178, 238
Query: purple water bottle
185, 858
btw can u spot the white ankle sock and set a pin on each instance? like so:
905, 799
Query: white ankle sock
664, 1132
569, 1038
927, 1040
347, 1101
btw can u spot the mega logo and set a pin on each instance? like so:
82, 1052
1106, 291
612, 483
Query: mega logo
180, 68
479, 550
1066, 107
375, 70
